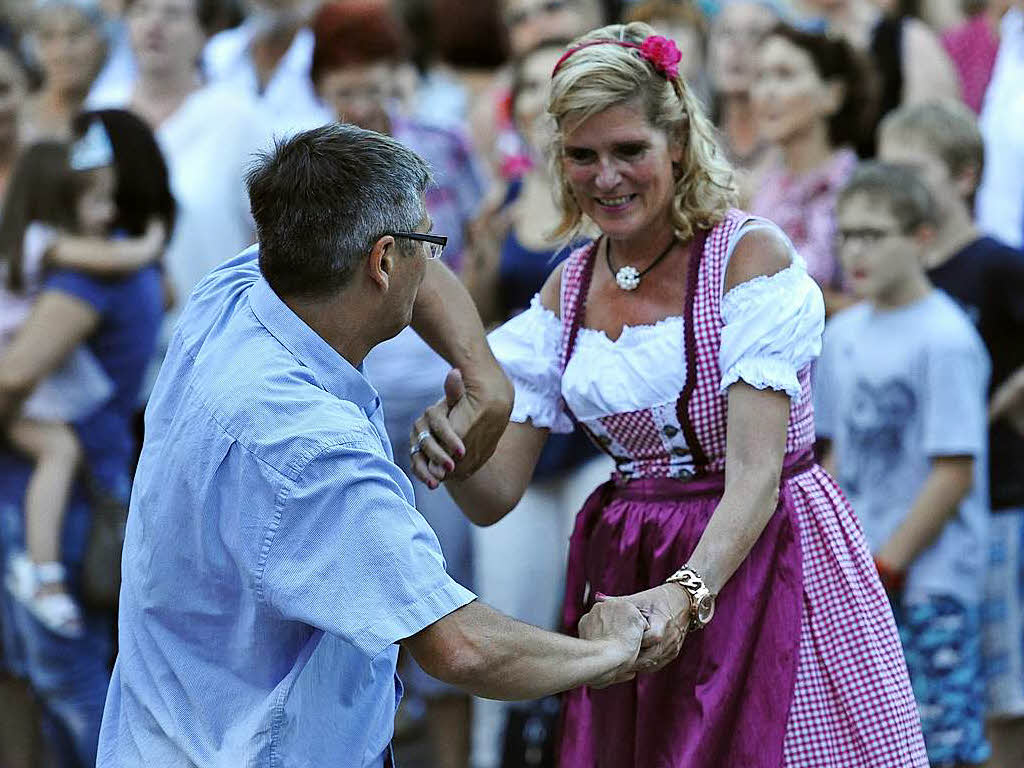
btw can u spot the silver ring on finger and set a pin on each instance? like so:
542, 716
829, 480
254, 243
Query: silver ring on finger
421, 437
413, 450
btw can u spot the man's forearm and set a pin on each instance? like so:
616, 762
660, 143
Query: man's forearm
491, 655
446, 318
945, 488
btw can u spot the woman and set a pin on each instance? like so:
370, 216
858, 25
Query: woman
682, 341
911, 64
118, 320
520, 562
813, 100
67, 37
736, 31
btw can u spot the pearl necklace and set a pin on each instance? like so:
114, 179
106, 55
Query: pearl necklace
628, 277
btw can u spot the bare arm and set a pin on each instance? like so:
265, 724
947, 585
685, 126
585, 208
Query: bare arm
109, 258
497, 487
1008, 402
445, 317
947, 484
489, 654
57, 324
928, 72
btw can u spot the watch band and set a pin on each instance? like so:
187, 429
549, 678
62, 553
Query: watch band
702, 601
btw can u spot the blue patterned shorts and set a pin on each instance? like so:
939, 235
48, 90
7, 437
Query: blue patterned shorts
942, 644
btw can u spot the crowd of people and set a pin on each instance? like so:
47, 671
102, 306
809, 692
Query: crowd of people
840, 231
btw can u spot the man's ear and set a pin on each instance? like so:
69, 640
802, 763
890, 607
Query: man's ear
967, 180
925, 235
382, 261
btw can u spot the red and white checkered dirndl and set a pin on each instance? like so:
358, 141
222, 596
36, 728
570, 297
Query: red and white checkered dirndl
851, 705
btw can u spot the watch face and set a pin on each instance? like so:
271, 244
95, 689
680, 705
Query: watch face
705, 609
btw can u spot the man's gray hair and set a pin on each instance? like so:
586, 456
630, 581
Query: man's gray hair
323, 197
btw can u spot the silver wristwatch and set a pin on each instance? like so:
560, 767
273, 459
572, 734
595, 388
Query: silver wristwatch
702, 602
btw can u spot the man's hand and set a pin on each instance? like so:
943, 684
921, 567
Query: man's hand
667, 610
620, 626
461, 431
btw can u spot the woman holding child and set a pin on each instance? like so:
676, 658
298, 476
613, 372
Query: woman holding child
681, 340
82, 232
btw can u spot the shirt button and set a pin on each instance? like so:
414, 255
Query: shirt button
671, 431
684, 474
604, 440
680, 452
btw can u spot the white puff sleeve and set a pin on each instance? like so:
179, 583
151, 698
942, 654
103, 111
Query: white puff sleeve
528, 347
773, 328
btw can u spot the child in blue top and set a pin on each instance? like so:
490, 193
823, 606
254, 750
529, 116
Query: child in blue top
900, 393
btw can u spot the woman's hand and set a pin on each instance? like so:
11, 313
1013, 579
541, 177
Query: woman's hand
667, 610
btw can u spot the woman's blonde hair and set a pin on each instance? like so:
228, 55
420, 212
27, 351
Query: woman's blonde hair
597, 77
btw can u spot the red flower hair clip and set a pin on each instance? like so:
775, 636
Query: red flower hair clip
660, 51
663, 54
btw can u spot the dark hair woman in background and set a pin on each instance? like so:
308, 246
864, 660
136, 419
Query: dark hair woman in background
117, 319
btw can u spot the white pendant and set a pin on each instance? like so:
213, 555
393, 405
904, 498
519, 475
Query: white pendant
628, 278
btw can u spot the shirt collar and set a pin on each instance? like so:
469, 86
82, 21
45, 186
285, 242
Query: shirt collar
332, 371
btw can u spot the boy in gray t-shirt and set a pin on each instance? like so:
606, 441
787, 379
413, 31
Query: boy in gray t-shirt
900, 393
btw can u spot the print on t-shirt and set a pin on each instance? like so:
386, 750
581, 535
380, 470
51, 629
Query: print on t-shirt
878, 426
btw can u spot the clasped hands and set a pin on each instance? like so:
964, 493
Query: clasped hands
666, 613
456, 436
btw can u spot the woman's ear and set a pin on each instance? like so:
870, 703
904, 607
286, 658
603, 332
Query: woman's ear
382, 261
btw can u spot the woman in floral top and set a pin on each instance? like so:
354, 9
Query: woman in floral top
813, 101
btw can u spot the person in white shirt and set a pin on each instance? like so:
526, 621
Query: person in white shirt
208, 134
1000, 201
268, 58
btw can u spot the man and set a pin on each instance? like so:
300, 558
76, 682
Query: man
273, 558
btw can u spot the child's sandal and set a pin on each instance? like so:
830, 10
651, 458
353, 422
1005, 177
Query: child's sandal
56, 611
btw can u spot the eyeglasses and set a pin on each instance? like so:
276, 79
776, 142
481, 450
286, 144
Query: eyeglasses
435, 243
863, 236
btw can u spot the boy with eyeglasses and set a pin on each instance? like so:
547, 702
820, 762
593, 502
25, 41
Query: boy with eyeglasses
942, 142
900, 394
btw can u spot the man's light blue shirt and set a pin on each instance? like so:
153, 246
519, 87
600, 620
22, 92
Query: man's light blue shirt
273, 555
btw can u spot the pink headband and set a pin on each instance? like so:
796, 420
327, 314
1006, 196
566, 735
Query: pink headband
661, 52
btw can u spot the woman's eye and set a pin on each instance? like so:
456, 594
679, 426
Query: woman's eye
631, 150
579, 155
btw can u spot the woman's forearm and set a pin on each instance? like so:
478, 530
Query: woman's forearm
745, 509
490, 493
755, 448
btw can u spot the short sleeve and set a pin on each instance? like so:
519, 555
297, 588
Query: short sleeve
772, 328
91, 290
528, 348
347, 553
955, 413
